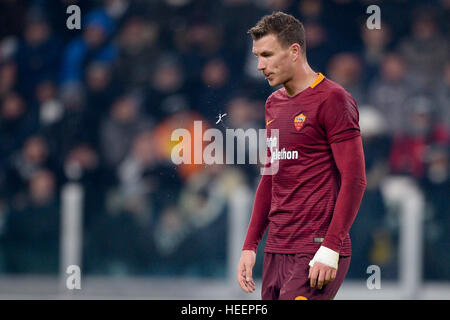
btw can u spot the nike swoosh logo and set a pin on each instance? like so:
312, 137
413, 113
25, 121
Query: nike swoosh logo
269, 122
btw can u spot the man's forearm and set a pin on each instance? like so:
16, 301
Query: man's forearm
259, 219
349, 157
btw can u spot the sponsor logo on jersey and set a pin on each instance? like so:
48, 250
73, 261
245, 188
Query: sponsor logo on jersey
276, 154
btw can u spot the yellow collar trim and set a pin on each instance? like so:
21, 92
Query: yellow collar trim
318, 80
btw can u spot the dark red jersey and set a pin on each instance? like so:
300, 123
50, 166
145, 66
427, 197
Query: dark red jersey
307, 182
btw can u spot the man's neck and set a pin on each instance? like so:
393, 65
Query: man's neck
301, 80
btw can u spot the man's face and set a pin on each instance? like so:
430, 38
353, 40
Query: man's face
274, 61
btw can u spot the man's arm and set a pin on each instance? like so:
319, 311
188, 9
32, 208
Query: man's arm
259, 219
257, 227
349, 158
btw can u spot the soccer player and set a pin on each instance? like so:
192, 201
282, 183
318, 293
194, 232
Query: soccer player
312, 200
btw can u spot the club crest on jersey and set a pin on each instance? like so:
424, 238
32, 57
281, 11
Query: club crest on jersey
299, 120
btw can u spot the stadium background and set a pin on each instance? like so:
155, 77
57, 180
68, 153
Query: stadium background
93, 109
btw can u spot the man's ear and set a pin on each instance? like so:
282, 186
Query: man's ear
296, 51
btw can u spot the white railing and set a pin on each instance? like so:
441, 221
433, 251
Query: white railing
71, 238
404, 193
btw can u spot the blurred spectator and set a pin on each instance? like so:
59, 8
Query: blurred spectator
101, 90
16, 123
50, 107
376, 43
409, 147
145, 181
81, 160
117, 9
390, 90
346, 69
377, 143
436, 184
78, 123
171, 16
196, 43
38, 53
192, 236
310, 10
168, 88
34, 156
245, 113
138, 49
237, 17
399, 23
318, 45
50, 111
119, 128
8, 78
426, 50
93, 45
171, 231
242, 113
215, 88
32, 228
82, 165
442, 94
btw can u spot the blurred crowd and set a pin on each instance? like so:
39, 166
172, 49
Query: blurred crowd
97, 106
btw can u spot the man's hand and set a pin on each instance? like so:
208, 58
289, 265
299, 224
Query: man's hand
323, 267
244, 272
321, 275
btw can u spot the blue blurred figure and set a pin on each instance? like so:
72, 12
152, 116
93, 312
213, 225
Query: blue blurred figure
93, 45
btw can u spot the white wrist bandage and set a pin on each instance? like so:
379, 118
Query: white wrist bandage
326, 256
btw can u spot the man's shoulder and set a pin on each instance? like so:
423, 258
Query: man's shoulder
335, 99
333, 91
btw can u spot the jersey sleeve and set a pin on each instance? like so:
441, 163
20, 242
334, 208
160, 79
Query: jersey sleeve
259, 218
340, 117
349, 158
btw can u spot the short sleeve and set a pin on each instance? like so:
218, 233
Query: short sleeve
340, 117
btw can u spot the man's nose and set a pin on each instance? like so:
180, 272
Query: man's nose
261, 65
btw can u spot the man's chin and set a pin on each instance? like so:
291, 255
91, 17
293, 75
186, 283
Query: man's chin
273, 83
